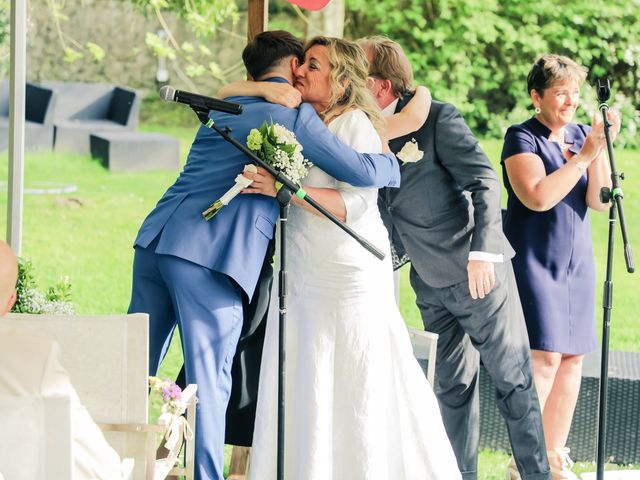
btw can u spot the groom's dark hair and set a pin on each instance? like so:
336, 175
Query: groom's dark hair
268, 49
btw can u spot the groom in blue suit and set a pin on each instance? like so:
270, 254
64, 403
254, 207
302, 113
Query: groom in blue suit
191, 272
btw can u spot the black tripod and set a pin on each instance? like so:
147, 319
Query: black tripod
288, 189
613, 196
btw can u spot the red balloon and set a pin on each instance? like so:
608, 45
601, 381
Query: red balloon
310, 4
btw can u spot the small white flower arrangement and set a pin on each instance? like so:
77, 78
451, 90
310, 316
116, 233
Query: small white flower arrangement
278, 147
29, 299
410, 152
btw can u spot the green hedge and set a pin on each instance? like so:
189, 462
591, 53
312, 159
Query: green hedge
477, 54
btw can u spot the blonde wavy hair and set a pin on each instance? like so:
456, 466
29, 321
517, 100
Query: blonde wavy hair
348, 80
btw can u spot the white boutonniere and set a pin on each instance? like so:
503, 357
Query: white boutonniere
410, 152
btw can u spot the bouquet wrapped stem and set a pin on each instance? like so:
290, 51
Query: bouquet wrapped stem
214, 208
241, 182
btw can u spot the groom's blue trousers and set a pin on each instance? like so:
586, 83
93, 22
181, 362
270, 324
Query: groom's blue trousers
206, 306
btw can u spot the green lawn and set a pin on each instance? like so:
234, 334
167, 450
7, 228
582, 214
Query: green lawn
88, 235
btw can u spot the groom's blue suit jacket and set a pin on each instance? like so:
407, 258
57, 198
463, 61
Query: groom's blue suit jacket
234, 242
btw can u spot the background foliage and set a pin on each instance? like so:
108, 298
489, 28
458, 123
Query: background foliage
195, 44
207, 20
477, 54
4, 38
473, 54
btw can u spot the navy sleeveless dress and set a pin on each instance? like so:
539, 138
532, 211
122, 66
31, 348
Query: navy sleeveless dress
554, 264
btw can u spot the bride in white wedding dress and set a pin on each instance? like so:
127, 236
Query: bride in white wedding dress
358, 406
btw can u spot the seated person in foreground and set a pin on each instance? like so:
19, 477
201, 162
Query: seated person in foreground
29, 366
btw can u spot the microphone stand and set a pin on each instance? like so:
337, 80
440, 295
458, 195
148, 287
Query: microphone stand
288, 189
613, 196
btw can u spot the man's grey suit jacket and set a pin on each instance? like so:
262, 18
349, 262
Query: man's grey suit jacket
449, 201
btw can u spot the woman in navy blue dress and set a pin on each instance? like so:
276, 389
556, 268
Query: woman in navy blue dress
553, 171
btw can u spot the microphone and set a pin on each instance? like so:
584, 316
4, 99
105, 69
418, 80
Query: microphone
604, 90
197, 102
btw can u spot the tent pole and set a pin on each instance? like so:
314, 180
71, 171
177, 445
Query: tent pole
16, 123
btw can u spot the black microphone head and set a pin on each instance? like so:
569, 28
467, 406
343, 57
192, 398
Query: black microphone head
603, 90
167, 93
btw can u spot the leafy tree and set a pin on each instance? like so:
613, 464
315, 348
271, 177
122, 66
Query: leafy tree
4, 38
206, 18
477, 54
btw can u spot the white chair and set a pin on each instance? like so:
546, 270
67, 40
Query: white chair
36, 442
425, 345
160, 462
35, 439
107, 360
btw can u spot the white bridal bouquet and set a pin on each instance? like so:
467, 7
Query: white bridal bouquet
279, 148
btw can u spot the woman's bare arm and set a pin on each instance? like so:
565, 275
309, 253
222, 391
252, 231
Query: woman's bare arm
329, 198
412, 116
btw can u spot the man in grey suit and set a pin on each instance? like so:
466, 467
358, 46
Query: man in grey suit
446, 217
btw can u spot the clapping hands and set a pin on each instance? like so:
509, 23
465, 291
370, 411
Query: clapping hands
595, 143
